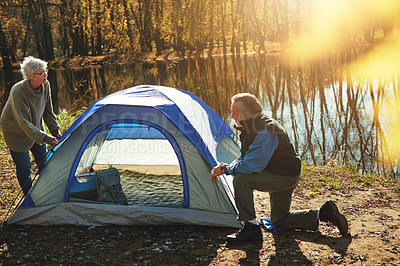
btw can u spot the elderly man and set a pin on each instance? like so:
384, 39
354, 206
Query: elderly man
268, 162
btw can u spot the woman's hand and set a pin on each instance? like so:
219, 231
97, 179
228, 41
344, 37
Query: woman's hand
51, 141
54, 142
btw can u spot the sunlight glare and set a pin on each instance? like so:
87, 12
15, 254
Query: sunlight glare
381, 60
335, 23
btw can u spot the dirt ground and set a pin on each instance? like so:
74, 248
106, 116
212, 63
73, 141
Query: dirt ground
373, 212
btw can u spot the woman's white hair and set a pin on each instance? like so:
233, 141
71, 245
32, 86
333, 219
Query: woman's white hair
31, 64
251, 106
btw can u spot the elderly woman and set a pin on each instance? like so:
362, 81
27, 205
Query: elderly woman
21, 120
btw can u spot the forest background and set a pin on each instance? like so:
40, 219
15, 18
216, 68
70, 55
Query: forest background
52, 29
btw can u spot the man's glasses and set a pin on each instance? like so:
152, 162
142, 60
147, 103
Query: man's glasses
42, 73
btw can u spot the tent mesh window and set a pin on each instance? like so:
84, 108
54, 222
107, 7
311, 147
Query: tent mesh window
146, 161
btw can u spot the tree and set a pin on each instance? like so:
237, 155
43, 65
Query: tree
4, 50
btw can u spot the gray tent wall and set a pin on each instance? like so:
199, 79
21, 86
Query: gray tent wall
209, 203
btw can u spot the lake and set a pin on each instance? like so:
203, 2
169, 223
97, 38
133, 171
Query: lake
333, 112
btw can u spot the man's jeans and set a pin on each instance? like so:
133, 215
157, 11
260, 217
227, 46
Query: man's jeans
23, 165
280, 189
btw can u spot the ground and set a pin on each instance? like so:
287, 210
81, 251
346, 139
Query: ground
371, 205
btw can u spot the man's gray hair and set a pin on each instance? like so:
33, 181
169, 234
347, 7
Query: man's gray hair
251, 106
31, 64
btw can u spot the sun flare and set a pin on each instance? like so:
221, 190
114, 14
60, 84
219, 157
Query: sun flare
336, 23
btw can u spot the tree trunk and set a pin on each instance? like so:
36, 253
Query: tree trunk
46, 34
234, 22
39, 19
4, 50
157, 36
128, 25
299, 9
147, 27
284, 27
224, 49
34, 21
244, 26
99, 36
143, 22
65, 27
211, 32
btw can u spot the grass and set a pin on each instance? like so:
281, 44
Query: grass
65, 119
340, 177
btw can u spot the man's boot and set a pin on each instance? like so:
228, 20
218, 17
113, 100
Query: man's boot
329, 212
249, 232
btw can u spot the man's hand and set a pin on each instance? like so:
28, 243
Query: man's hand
217, 171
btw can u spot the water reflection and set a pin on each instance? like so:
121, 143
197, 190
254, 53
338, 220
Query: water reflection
330, 111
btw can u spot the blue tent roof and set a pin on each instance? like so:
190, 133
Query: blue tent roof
197, 121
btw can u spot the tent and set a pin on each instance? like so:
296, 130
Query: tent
162, 142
